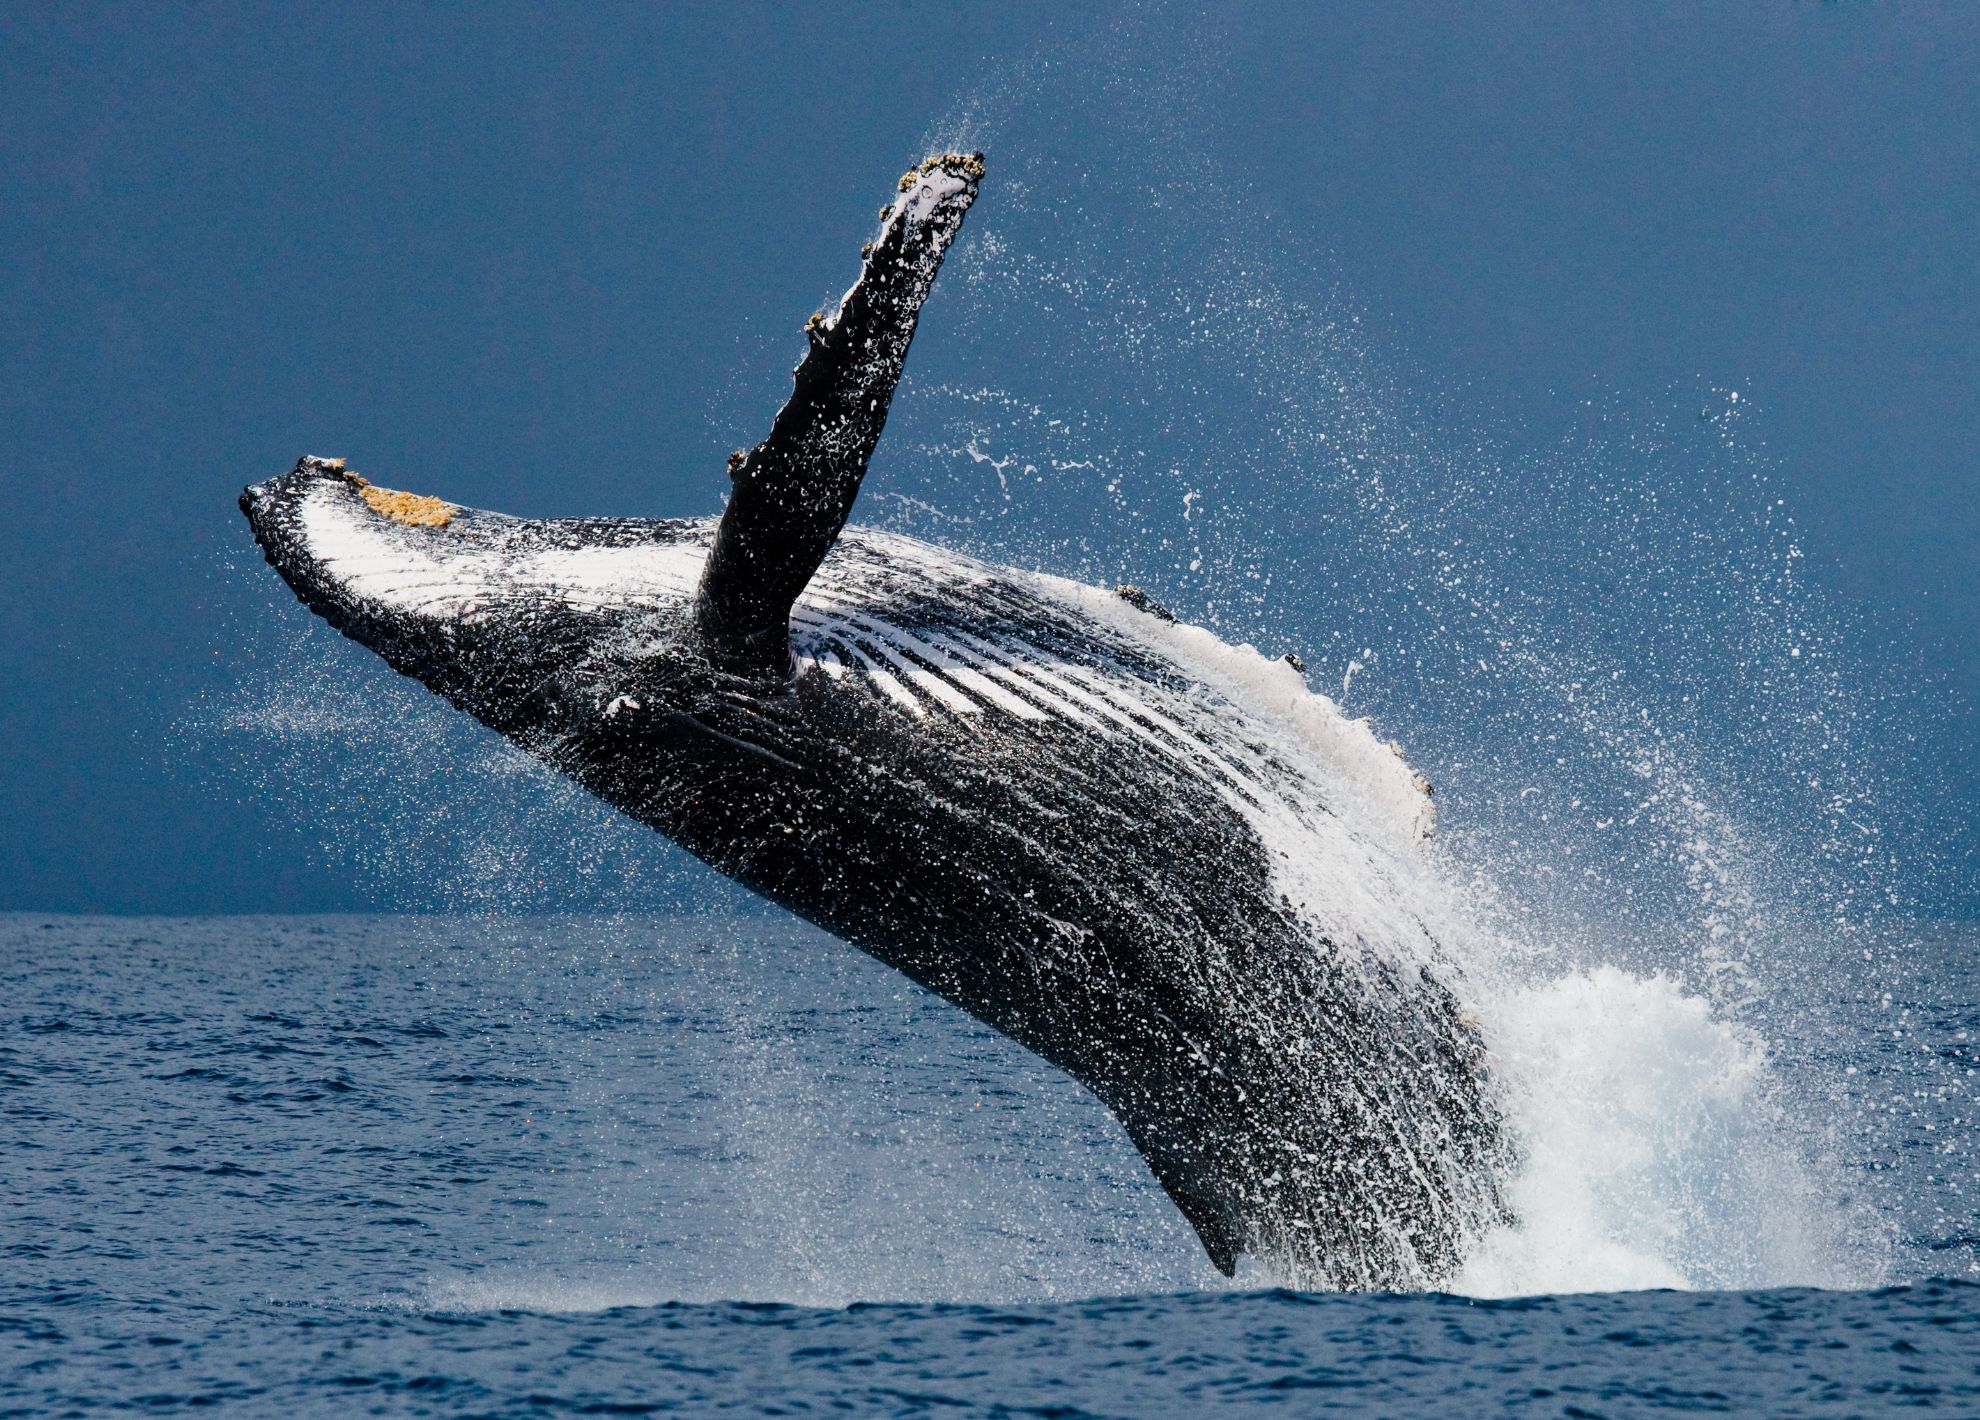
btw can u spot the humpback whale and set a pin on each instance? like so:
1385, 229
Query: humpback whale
1154, 859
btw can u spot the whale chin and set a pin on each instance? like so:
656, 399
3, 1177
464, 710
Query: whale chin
477, 605
359, 548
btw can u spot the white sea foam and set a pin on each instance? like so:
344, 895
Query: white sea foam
1654, 1151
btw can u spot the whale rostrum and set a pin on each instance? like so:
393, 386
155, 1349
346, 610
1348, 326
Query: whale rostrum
1156, 860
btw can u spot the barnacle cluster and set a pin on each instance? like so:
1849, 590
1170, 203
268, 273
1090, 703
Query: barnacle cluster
415, 510
968, 165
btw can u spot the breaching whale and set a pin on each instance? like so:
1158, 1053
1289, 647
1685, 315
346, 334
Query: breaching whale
1153, 859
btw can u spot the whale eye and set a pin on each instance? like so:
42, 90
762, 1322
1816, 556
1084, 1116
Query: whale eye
415, 510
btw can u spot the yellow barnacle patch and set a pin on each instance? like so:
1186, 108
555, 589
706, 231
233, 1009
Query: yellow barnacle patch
415, 510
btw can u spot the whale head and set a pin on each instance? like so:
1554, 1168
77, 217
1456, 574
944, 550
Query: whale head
493, 612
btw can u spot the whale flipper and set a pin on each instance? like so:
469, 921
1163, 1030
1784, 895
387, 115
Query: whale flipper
794, 490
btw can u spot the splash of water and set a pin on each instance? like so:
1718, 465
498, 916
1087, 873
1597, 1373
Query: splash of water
1653, 1138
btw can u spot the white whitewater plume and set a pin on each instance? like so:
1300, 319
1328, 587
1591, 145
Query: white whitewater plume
1655, 1154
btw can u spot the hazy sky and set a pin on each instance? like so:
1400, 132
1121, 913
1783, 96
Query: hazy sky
554, 260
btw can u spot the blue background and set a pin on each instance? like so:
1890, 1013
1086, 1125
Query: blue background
554, 262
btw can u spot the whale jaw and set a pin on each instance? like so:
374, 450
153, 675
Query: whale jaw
365, 558
495, 613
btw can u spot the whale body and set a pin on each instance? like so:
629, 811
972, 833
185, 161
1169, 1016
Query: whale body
1153, 859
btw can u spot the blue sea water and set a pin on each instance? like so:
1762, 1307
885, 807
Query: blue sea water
441, 1166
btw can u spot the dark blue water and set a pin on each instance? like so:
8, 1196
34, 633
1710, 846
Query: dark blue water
445, 1166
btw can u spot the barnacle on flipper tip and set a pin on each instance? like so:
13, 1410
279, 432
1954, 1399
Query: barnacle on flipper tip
969, 165
964, 165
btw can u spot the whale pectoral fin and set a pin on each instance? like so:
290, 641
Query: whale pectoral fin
794, 490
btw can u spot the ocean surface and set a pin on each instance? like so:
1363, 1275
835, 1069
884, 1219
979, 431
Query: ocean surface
460, 1166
